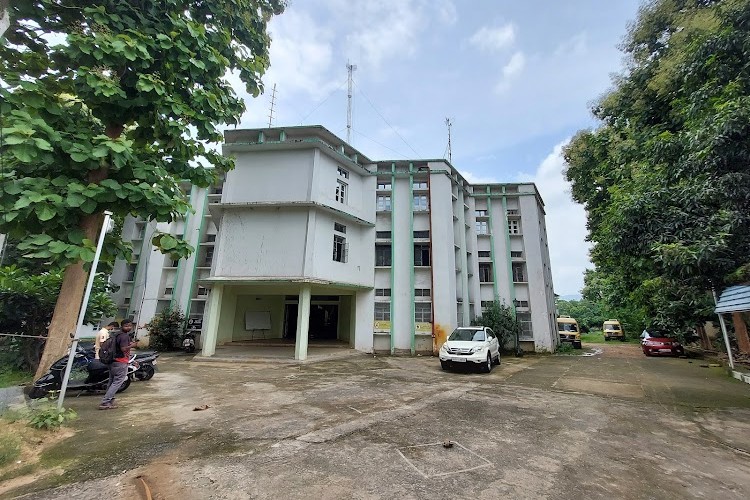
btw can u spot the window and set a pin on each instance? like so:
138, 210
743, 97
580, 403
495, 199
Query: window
217, 189
343, 173
174, 263
126, 301
382, 311
519, 273
423, 312
420, 202
340, 228
130, 274
516, 254
421, 234
202, 290
421, 292
483, 227
514, 226
524, 321
339, 248
384, 186
487, 303
485, 272
168, 291
210, 238
480, 213
382, 255
512, 211
382, 292
384, 235
341, 189
484, 253
420, 185
421, 255
384, 203
522, 303
209, 257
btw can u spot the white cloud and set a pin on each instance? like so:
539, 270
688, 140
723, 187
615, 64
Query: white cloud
494, 39
566, 224
447, 13
510, 71
472, 178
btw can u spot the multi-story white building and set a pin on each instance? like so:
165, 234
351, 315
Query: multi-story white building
308, 239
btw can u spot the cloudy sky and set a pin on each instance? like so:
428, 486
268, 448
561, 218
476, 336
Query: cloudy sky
515, 77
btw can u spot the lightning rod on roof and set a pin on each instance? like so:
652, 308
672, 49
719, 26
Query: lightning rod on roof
273, 103
350, 68
450, 152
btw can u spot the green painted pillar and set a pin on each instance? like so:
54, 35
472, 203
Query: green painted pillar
214, 314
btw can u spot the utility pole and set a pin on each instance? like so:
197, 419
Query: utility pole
273, 102
4, 16
350, 68
450, 152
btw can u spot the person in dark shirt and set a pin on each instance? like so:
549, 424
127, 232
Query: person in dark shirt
118, 370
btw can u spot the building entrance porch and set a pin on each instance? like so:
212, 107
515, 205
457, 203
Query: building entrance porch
272, 316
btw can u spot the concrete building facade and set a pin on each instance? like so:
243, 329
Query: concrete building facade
308, 240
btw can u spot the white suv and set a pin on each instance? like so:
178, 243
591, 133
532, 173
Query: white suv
470, 344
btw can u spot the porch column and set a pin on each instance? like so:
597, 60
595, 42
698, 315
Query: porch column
303, 323
214, 314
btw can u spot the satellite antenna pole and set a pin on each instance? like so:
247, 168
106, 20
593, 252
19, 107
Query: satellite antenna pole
450, 152
350, 68
273, 102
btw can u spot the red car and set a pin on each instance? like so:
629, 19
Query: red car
660, 344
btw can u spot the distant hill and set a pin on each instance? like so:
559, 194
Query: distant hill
573, 296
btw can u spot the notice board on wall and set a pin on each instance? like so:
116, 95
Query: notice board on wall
257, 320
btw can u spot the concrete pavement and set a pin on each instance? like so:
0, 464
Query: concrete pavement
614, 425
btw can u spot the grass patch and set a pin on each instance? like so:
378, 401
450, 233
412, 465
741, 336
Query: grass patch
10, 448
593, 337
11, 377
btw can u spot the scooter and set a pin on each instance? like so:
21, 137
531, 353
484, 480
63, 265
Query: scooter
188, 342
144, 365
87, 374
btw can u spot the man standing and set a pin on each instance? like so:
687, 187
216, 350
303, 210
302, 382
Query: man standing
118, 370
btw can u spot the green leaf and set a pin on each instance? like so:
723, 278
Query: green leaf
45, 212
75, 199
79, 157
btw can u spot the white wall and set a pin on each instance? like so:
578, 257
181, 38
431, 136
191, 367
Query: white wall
261, 242
270, 176
360, 239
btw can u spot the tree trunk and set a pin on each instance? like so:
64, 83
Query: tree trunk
68, 305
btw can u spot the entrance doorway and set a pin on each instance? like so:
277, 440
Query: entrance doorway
324, 321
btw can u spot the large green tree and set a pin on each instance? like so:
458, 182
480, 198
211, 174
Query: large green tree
665, 177
109, 105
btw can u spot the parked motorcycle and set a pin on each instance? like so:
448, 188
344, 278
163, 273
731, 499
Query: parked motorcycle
188, 342
90, 374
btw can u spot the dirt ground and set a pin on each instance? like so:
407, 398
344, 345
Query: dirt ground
615, 424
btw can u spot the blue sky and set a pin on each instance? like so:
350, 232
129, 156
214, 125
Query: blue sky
515, 77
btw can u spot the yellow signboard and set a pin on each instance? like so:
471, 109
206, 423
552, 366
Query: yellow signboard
382, 326
423, 327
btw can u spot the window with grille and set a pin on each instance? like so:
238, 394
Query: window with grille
421, 292
130, 274
343, 173
384, 186
514, 226
383, 235
382, 255
480, 213
487, 303
485, 272
519, 273
421, 255
382, 292
484, 253
383, 203
340, 228
382, 311
341, 190
202, 291
516, 254
339, 248
210, 238
524, 321
423, 312
209, 257
420, 185
483, 227
522, 303
420, 203
421, 235
168, 291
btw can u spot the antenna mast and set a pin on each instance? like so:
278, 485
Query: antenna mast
350, 68
450, 152
273, 102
